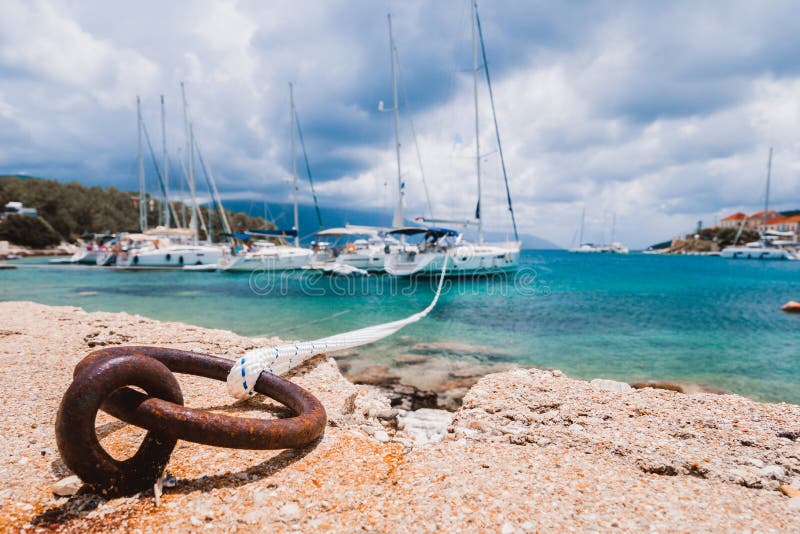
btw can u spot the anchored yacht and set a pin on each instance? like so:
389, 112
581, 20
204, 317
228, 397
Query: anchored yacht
363, 248
88, 255
166, 248
428, 255
264, 255
590, 248
771, 245
758, 251
437, 244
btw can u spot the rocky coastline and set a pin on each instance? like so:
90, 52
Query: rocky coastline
418, 380
516, 450
63, 249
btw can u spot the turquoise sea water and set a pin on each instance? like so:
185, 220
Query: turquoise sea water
633, 317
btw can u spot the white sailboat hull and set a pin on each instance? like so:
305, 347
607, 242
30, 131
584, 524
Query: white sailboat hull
172, 257
106, 258
757, 253
372, 259
281, 258
599, 250
461, 260
85, 256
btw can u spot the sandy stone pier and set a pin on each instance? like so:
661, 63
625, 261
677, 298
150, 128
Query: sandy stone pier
527, 451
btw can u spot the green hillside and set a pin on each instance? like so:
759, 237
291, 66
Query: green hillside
72, 209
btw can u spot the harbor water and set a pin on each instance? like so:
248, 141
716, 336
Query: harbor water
625, 317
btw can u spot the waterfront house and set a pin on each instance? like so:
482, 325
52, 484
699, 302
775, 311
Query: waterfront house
756, 220
783, 224
16, 208
733, 221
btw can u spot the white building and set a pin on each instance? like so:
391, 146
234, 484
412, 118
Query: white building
16, 208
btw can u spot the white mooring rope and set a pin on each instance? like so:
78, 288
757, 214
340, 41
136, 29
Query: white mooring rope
245, 372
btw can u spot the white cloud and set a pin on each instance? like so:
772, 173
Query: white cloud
41, 41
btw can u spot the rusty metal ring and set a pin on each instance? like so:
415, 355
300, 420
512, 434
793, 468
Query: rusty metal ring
75, 424
99, 381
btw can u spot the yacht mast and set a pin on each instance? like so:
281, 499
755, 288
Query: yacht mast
190, 164
397, 220
496, 127
296, 227
308, 169
209, 233
766, 194
477, 124
613, 227
140, 159
193, 188
165, 171
580, 236
212, 187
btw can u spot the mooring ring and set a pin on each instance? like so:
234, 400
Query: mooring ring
75, 424
162, 413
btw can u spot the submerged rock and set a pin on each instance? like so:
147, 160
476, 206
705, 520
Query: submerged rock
419, 381
410, 359
458, 348
404, 397
376, 375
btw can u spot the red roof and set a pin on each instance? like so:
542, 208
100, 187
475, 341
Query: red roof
792, 219
777, 220
760, 214
738, 216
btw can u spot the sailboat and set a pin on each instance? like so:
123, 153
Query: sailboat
266, 256
165, 247
771, 245
357, 248
590, 248
437, 246
96, 245
363, 249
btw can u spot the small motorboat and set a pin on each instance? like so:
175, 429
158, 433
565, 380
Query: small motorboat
791, 307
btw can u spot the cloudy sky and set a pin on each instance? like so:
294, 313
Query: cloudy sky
660, 112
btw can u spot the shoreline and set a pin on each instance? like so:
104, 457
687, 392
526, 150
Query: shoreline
414, 380
419, 378
62, 249
719, 346
529, 449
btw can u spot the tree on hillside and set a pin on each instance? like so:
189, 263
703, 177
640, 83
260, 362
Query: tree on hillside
725, 236
73, 209
28, 231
